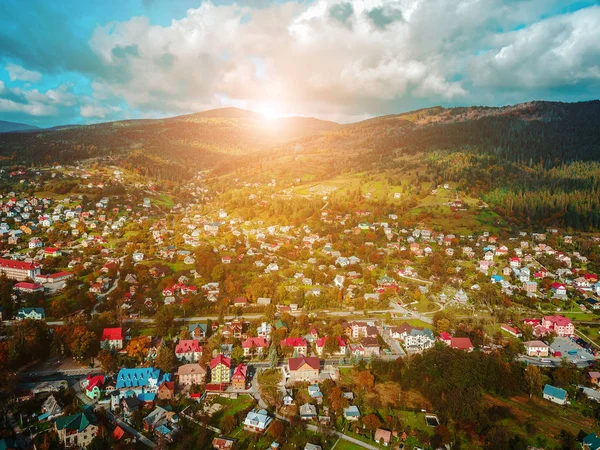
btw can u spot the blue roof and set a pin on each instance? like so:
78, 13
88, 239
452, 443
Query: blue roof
592, 441
555, 392
352, 411
147, 397
132, 378
163, 430
497, 278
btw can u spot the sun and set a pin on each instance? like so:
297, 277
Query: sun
270, 111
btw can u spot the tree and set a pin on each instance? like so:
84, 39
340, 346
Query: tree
372, 422
228, 423
165, 359
108, 360
81, 342
237, 354
164, 320
533, 380
138, 348
365, 379
277, 430
331, 346
273, 357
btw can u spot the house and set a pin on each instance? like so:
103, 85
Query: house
28, 288
510, 330
220, 370
264, 330
461, 343
298, 345
198, 331
315, 392
351, 413
112, 338
31, 313
166, 390
308, 411
191, 374
77, 430
304, 369
93, 385
383, 436
310, 446
287, 397
370, 346
536, 348
560, 325
222, 443
153, 420
188, 350
141, 379
257, 421
555, 395
559, 289
591, 442
238, 379
255, 346
419, 339
51, 409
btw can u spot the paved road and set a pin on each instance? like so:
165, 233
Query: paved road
412, 314
393, 343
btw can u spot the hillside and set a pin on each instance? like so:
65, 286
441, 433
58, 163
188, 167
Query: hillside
7, 127
535, 163
200, 140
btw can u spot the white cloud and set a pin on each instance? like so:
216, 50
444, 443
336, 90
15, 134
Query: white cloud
92, 111
16, 72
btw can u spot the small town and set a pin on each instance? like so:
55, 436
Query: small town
157, 318
300, 225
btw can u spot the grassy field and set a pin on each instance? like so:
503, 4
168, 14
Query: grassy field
549, 419
231, 407
345, 445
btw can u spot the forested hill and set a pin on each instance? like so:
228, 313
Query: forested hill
194, 141
7, 127
536, 163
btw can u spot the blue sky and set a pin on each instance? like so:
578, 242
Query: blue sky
84, 62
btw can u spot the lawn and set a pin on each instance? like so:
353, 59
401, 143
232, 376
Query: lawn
345, 445
231, 407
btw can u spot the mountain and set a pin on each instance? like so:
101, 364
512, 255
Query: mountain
535, 163
198, 140
6, 127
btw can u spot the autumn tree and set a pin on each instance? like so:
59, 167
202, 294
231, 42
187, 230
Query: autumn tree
365, 380
108, 361
137, 348
81, 342
165, 359
533, 380
372, 422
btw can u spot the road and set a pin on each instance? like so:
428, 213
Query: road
412, 314
555, 362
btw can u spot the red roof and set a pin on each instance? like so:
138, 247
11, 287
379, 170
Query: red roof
321, 342
293, 342
112, 334
188, 345
93, 381
170, 385
461, 343
118, 433
60, 274
445, 336
240, 372
51, 250
312, 361
220, 359
28, 286
256, 342
20, 265
558, 320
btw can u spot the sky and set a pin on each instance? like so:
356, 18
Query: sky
73, 61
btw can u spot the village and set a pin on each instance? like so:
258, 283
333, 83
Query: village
158, 314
